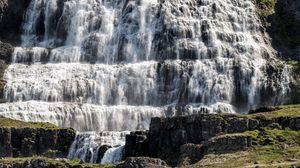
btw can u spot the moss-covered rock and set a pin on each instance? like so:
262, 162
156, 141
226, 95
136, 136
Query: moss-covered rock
209, 133
21, 139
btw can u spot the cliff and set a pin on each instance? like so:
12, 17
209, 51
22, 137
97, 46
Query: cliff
191, 138
21, 139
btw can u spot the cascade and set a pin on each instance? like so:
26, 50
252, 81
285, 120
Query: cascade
104, 67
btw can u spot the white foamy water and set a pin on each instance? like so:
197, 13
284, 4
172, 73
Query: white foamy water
86, 146
112, 65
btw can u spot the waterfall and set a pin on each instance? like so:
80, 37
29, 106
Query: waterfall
112, 65
86, 147
113, 155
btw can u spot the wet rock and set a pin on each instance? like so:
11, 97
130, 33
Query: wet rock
136, 144
101, 152
11, 16
5, 51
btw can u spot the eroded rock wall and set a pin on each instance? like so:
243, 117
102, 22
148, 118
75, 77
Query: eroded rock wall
27, 142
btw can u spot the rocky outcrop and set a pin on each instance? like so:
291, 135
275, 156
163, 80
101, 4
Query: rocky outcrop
5, 51
219, 144
27, 142
143, 162
194, 136
136, 144
12, 13
170, 134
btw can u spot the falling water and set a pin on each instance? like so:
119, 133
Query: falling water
113, 155
112, 65
87, 146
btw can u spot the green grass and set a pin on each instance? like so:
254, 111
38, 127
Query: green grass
293, 62
272, 147
281, 111
10, 123
266, 7
275, 144
55, 163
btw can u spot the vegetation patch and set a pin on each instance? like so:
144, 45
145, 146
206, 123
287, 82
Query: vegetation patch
54, 163
266, 7
10, 123
281, 111
275, 145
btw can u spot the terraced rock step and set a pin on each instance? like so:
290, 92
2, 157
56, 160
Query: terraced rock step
21, 139
188, 139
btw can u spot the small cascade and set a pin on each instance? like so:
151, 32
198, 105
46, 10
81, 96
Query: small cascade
113, 155
84, 148
111, 65
87, 146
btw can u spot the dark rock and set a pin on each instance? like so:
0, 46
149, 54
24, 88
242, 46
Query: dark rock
12, 13
101, 152
191, 153
263, 109
228, 143
220, 144
6, 51
143, 162
170, 134
136, 144
26, 142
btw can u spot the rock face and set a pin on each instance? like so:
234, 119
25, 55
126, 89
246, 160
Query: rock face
11, 16
220, 144
288, 11
171, 133
136, 144
5, 51
197, 135
26, 142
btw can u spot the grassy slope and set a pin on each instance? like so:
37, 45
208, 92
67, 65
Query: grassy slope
55, 163
10, 123
273, 146
290, 111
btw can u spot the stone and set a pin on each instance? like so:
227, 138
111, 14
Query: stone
263, 109
136, 144
143, 162
170, 134
27, 142
12, 13
228, 143
6, 51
